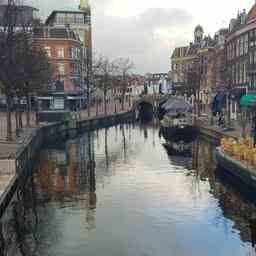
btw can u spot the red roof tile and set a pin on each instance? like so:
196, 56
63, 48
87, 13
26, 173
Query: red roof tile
252, 14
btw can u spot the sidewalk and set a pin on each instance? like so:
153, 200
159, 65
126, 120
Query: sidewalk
3, 132
9, 149
235, 131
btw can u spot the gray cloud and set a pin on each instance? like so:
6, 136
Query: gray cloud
147, 38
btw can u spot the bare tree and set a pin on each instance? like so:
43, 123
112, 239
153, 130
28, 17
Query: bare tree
124, 67
8, 75
104, 72
24, 69
36, 72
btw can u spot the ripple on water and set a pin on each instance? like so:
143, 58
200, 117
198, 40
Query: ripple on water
137, 201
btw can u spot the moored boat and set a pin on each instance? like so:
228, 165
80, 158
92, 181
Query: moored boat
177, 124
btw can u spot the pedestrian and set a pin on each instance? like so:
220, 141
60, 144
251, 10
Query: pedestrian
219, 118
254, 129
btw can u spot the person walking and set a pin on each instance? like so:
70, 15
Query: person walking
254, 129
219, 119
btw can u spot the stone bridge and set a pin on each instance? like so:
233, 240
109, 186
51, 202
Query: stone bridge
147, 105
152, 100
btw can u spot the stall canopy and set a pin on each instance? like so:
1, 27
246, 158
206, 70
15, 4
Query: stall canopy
248, 100
166, 103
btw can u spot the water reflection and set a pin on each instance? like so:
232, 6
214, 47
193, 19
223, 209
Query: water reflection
90, 195
232, 202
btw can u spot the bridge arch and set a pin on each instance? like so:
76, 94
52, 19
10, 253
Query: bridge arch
144, 110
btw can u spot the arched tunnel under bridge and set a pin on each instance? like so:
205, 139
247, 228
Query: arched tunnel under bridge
144, 111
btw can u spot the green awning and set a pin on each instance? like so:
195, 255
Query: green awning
248, 100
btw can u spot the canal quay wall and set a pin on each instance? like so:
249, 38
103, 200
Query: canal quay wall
214, 134
242, 175
21, 164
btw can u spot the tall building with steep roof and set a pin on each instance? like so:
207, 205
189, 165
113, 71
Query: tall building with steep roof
80, 22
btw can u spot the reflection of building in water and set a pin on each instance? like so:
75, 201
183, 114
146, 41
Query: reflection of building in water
233, 204
25, 221
235, 207
69, 173
202, 152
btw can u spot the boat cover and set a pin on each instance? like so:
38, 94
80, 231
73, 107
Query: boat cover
177, 106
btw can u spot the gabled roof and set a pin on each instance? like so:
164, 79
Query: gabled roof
252, 14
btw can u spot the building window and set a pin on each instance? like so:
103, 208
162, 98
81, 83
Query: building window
48, 51
238, 45
251, 58
61, 18
251, 34
245, 72
61, 69
237, 73
246, 44
75, 51
60, 53
228, 52
58, 103
70, 53
70, 18
242, 46
241, 73
79, 18
233, 74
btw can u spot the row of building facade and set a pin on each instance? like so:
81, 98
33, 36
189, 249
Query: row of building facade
226, 62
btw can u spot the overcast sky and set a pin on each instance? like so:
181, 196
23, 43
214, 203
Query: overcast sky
147, 30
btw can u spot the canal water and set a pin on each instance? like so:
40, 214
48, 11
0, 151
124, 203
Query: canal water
125, 191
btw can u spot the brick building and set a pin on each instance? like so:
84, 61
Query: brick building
194, 58
64, 50
240, 54
181, 59
80, 22
238, 51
